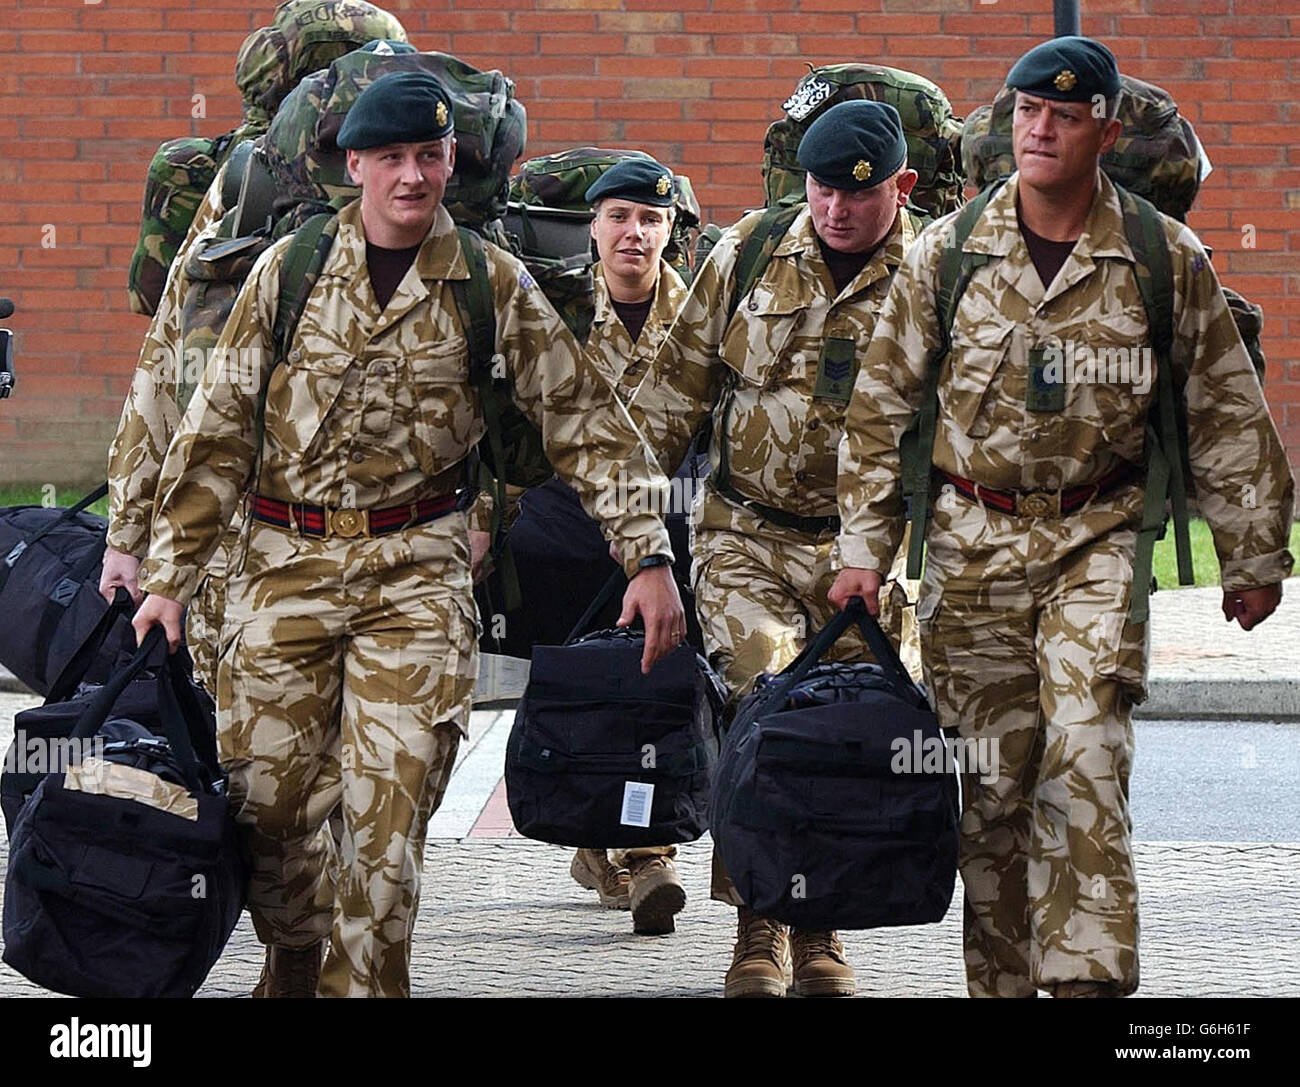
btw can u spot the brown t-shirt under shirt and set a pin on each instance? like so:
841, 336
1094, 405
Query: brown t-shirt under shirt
387, 267
1048, 256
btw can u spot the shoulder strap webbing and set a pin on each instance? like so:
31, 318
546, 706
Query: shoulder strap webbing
752, 259
478, 315
1166, 441
916, 449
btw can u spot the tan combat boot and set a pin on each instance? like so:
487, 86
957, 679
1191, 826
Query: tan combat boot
820, 968
760, 963
656, 893
592, 869
1092, 989
289, 972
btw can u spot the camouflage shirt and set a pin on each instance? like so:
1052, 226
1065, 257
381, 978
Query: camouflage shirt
759, 372
374, 408
150, 413
609, 345
1092, 309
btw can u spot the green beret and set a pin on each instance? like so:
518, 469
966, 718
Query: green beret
854, 145
400, 107
643, 181
1068, 69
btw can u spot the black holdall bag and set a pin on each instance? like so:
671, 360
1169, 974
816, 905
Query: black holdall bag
58, 630
125, 878
43, 743
601, 756
820, 812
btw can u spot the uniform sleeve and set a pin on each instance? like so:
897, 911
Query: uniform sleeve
148, 420
586, 431
209, 461
1244, 485
210, 210
886, 395
683, 382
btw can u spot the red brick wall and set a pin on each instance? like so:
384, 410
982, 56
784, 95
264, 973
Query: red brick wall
88, 90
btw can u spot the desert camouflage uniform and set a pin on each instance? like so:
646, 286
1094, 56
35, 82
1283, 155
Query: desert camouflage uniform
305, 35
624, 363
761, 588
1024, 619
350, 661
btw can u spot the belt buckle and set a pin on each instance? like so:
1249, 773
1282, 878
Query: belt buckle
1039, 504
346, 523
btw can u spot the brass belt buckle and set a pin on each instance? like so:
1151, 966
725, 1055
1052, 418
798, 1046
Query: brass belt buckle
1037, 504
346, 523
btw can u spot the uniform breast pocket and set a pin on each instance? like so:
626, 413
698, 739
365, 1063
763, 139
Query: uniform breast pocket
979, 352
1111, 379
757, 342
300, 397
438, 403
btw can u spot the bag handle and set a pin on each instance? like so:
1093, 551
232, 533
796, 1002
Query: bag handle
817, 647
178, 708
7, 564
79, 663
607, 592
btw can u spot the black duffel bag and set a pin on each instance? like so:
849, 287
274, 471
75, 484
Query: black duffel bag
814, 824
601, 756
43, 742
125, 879
58, 630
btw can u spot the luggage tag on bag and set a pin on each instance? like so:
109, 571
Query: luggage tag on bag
1045, 391
836, 370
638, 796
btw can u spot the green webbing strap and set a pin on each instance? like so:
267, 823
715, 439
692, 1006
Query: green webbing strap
752, 259
1166, 443
299, 270
916, 448
478, 315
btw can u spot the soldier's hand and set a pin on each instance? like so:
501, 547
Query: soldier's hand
615, 553
1250, 607
852, 582
159, 611
119, 570
479, 542
653, 595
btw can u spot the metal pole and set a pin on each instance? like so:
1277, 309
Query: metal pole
1066, 14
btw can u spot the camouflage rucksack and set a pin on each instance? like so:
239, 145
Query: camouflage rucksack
307, 163
305, 35
932, 132
1157, 157
560, 181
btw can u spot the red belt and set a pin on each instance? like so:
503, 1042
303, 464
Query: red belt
1042, 503
347, 522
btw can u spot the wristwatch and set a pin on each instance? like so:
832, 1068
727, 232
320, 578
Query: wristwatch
654, 560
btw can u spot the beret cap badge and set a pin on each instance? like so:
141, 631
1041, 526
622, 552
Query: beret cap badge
861, 170
440, 114
1065, 80
663, 185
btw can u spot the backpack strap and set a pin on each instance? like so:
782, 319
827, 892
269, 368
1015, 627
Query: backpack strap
1166, 441
916, 448
478, 314
752, 259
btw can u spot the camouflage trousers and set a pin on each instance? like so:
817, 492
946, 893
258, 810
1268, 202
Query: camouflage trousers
760, 593
207, 608
346, 677
1026, 639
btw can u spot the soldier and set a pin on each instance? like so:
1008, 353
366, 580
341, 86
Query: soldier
637, 298
306, 35
352, 651
774, 369
1025, 606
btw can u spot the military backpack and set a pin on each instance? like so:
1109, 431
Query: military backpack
933, 133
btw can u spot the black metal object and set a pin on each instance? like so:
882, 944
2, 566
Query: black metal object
6, 351
1067, 17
